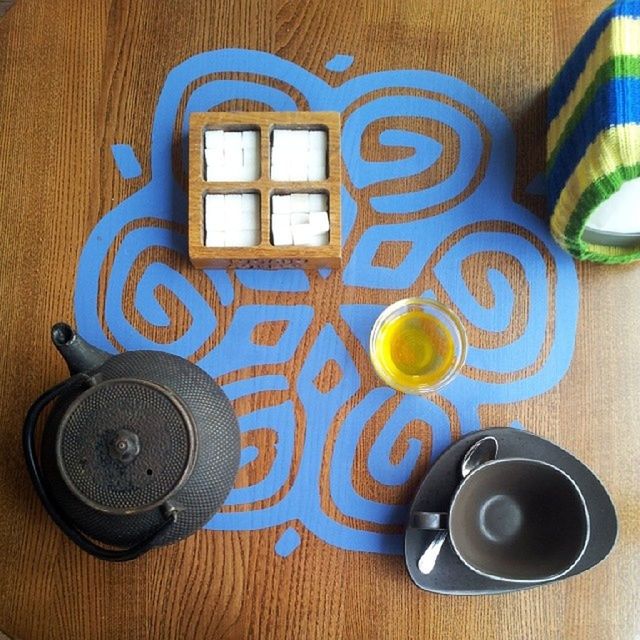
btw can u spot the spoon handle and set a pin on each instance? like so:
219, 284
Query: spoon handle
427, 560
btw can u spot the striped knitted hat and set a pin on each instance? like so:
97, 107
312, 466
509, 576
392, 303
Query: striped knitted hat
593, 142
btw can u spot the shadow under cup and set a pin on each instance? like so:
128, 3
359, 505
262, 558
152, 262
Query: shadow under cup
519, 520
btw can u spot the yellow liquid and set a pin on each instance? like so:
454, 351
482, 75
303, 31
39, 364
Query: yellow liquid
415, 349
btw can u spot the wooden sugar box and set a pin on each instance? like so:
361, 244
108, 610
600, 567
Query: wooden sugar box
259, 156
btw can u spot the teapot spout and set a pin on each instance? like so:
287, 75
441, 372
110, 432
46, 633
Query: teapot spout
79, 355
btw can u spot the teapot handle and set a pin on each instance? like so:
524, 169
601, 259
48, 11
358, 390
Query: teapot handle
33, 465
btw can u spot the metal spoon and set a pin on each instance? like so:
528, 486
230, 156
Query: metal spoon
480, 452
427, 560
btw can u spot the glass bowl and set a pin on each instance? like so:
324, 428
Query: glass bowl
417, 345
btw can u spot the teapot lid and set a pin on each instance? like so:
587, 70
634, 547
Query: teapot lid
125, 445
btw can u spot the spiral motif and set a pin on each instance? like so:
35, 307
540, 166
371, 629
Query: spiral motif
442, 191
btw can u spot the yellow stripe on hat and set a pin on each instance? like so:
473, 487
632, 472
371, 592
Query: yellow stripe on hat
612, 149
620, 38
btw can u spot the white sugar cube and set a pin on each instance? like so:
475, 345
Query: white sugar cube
235, 173
214, 222
214, 139
214, 238
281, 235
232, 204
278, 137
251, 202
317, 202
214, 212
290, 147
319, 240
318, 140
297, 153
250, 219
298, 170
317, 157
319, 221
281, 204
300, 202
300, 140
241, 212
242, 238
317, 170
232, 140
318, 152
281, 156
233, 157
248, 173
214, 156
301, 234
279, 172
250, 164
213, 202
242, 221
280, 220
250, 139
282, 138
299, 218
216, 173
214, 165
233, 149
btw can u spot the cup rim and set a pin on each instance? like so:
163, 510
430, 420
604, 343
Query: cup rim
555, 576
426, 302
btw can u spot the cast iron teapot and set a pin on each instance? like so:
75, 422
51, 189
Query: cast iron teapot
139, 451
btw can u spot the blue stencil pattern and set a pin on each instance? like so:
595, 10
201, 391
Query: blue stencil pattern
126, 161
327, 441
339, 63
287, 543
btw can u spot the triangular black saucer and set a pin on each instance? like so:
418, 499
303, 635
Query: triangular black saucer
450, 576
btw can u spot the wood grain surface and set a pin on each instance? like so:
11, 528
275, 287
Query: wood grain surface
77, 76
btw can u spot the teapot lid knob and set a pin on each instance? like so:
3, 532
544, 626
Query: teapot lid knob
125, 446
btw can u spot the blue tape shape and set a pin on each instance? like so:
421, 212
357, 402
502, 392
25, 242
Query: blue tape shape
287, 543
363, 173
288, 492
126, 161
281, 421
236, 350
252, 386
339, 63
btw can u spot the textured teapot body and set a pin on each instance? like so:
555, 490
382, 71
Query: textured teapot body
140, 447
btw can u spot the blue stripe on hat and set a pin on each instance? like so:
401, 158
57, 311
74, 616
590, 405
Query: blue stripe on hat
616, 102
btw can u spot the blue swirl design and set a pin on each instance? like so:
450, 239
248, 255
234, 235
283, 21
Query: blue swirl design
323, 445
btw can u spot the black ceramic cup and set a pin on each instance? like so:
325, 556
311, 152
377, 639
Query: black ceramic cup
516, 520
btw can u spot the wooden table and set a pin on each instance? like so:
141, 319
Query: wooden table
76, 78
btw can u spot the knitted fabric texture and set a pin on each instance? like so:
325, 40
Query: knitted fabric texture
593, 141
